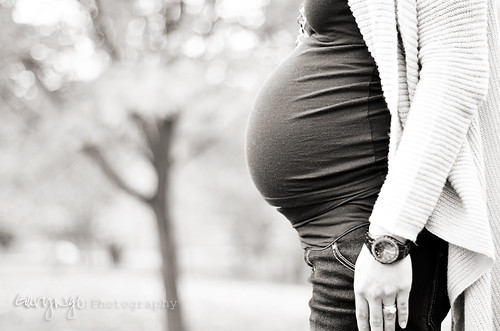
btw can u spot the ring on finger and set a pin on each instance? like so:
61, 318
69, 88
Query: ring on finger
389, 311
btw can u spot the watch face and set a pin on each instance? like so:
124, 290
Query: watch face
385, 250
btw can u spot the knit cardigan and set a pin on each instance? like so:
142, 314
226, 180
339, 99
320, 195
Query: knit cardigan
439, 66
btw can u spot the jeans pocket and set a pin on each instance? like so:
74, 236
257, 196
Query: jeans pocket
344, 249
307, 252
348, 246
341, 258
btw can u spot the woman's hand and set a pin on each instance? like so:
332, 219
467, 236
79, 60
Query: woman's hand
377, 285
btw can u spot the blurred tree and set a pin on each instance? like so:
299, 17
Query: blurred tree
157, 59
172, 32
158, 133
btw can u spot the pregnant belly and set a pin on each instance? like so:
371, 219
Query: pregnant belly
318, 128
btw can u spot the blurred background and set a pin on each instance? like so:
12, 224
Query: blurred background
125, 203
122, 170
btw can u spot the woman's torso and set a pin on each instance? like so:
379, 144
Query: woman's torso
317, 135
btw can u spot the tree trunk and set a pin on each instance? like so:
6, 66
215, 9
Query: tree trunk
160, 205
159, 134
169, 266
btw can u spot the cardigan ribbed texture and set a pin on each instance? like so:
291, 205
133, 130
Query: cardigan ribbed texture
443, 94
439, 65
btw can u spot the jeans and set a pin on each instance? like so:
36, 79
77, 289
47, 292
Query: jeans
332, 276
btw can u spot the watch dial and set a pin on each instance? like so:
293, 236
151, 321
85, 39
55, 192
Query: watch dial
385, 250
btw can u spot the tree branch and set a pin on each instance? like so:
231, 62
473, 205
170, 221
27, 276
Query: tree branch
95, 153
150, 132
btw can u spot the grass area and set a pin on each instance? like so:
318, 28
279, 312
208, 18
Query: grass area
110, 294
207, 304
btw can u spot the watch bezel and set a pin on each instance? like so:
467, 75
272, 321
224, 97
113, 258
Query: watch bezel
403, 248
385, 240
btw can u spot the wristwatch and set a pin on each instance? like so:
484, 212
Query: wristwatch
386, 249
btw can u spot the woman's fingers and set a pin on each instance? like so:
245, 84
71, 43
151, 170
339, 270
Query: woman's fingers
389, 311
402, 300
376, 316
362, 313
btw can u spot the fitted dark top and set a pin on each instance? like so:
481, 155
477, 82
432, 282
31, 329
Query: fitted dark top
332, 21
317, 137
